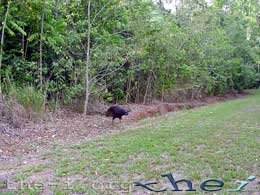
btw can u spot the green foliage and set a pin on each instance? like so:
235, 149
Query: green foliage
136, 47
30, 98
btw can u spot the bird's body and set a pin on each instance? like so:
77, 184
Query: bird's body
116, 112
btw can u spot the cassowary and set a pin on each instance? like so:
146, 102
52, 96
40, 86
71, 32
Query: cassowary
116, 112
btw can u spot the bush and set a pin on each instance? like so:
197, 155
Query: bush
30, 98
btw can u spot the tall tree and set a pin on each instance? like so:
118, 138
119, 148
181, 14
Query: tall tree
2, 44
41, 44
88, 59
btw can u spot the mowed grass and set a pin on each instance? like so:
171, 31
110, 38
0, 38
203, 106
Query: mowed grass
219, 141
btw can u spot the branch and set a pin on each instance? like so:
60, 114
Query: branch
75, 53
94, 80
94, 18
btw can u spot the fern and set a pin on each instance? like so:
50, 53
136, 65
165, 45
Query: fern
10, 31
33, 36
18, 28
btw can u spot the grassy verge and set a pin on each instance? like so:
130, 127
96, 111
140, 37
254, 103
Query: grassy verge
216, 141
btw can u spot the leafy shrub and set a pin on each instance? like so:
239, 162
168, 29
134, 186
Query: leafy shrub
30, 98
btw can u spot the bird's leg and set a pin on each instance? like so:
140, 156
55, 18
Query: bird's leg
113, 120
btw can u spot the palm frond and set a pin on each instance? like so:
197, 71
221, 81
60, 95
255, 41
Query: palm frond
17, 27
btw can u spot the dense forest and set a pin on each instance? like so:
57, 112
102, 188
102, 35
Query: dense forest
65, 52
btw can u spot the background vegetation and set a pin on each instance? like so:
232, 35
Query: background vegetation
127, 50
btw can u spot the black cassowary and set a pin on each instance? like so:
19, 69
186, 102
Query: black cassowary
116, 112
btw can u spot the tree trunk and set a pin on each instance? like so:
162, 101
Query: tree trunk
147, 88
41, 38
162, 93
87, 61
23, 46
128, 90
26, 45
2, 44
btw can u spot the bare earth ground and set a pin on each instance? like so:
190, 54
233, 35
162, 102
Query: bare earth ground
21, 147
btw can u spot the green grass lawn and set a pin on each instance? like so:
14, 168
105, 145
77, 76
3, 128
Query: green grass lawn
219, 141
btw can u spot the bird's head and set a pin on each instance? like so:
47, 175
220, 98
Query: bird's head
108, 113
127, 111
